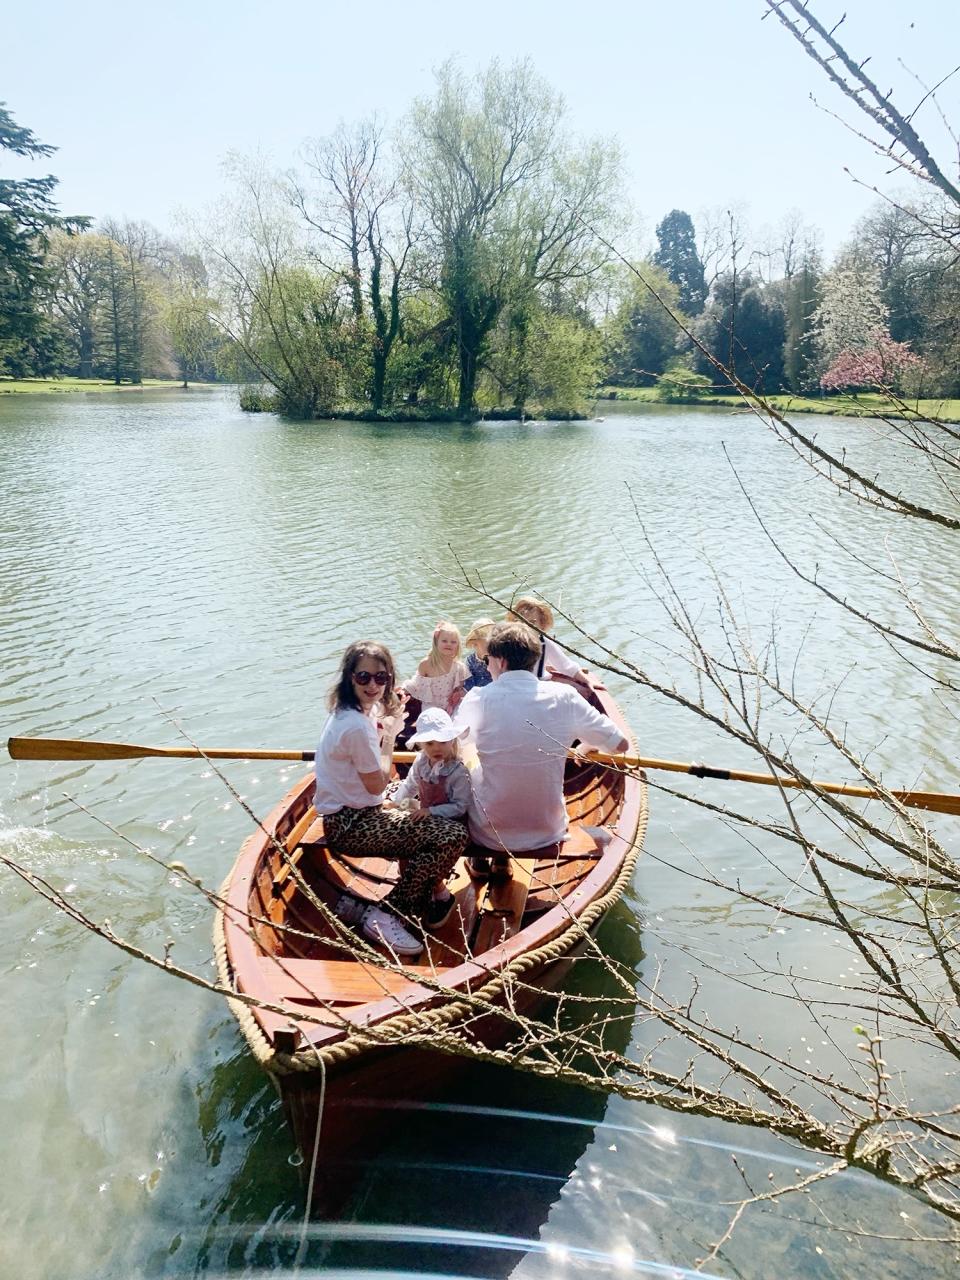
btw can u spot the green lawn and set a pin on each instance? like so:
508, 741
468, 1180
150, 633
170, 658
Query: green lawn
33, 386
867, 405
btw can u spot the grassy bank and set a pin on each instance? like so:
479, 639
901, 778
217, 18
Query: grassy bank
253, 400
867, 405
58, 386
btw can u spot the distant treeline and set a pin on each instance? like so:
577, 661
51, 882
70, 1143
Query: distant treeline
122, 302
463, 264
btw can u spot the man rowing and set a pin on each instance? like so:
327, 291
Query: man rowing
522, 728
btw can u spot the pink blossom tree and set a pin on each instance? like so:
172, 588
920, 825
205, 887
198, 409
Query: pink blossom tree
880, 364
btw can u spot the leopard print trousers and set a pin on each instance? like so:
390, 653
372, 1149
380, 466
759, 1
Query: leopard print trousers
427, 849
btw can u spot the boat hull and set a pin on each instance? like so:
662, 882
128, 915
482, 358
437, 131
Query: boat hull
335, 1033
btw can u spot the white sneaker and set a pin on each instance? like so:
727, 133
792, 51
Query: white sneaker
349, 909
383, 927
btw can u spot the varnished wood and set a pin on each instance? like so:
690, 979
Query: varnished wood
21, 748
334, 981
79, 749
501, 903
324, 995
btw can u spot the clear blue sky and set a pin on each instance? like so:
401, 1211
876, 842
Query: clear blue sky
711, 105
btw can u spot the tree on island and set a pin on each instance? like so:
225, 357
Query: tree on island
507, 204
28, 218
364, 232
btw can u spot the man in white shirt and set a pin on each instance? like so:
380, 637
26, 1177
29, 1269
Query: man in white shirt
522, 727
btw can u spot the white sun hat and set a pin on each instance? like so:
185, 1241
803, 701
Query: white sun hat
434, 725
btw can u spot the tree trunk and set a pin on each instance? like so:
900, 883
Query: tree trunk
86, 349
466, 409
379, 376
387, 326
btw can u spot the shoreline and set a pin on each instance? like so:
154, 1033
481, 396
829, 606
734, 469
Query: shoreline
869, 405
95, 386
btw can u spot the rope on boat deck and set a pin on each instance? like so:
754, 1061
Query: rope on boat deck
398, 1026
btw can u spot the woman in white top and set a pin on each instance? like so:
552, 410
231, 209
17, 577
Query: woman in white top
352, 772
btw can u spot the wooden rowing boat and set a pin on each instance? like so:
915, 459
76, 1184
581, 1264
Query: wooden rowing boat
328, 1016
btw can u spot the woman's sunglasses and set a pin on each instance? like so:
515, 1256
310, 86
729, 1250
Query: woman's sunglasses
378, 677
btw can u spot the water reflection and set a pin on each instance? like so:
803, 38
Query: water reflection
461, 1181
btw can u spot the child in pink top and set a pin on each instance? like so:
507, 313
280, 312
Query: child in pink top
440, 677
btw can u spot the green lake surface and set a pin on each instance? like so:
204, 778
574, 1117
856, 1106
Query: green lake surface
169, 560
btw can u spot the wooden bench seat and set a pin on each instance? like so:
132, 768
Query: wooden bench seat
487, 914
334, 981
313, 837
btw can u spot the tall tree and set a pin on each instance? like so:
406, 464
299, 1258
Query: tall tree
892, 241
79, 285
508, 204
286, 322
678, 256
801, 294
364, 234
744, 328
187, 316
28, 216
642, 335
138, 257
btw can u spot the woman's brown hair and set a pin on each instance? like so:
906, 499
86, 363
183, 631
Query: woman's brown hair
343, 693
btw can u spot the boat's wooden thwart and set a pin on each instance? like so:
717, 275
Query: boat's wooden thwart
314, 1014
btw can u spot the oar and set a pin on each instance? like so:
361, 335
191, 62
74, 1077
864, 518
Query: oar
78, 749
941, 801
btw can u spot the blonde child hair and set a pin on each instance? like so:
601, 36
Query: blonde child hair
434, 660
535, 612
479, 632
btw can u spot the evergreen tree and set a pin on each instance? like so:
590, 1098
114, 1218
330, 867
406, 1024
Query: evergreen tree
28, 215
744, 327
678, 257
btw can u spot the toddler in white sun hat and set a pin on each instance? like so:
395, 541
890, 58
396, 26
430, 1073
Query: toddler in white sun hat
439, 782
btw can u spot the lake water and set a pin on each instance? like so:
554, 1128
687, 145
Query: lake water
164, 560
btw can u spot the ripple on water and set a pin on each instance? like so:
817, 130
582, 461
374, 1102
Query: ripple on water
172, 551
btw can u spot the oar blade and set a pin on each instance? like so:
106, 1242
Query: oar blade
72, 749
78, 749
